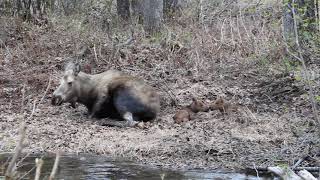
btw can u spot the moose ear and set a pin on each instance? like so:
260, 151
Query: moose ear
76, 69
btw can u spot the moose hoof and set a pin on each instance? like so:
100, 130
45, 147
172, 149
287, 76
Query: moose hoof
141, 125
131, 123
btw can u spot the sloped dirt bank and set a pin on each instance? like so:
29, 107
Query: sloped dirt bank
273, 126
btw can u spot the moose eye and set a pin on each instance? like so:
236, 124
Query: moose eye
70, 83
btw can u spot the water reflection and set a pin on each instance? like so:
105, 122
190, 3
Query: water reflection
73, 167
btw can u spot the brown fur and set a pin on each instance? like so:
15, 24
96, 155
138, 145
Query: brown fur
182, 115
198, 106
109, 93
222, 105
185, 114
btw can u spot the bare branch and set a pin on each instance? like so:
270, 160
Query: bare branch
47, 89
95, 53
39, 163
27, 173
55, 166
33, 110
10, 172
304, 67
306, 175
23, 91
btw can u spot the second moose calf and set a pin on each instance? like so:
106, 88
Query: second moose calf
222, 105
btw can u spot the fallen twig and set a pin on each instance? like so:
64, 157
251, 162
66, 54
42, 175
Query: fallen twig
287, 173
299, 162
95, 53
257, 172
33, 110
284, 173
47, 89
306, 175
23, 91
27, 173
311, 169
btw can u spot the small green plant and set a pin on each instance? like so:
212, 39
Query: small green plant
251, 10
283, 165
156, 37
263, 61
186, 37
317, 98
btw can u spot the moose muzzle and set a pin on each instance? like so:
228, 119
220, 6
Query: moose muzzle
56, 100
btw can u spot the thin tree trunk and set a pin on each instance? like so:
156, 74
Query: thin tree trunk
170, 7
287, 20
52, 3
137, 9
39, 6
167, 7
318, 10
19, 7
123, 9
152, 15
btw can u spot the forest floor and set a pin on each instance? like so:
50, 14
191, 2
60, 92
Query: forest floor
274, 124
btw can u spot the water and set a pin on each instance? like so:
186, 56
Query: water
77, 167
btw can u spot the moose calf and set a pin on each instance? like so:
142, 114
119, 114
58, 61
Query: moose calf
109, 94
185, 114
223, 106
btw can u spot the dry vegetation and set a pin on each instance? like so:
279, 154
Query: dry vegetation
236, 54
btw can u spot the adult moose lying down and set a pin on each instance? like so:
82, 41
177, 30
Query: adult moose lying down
109, 94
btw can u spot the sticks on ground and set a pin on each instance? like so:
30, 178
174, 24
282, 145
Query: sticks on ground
23, 91
47, 89
311, 169
287, 173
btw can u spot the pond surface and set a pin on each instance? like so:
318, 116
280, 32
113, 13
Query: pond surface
77, 167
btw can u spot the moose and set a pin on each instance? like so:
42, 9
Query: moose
112, 94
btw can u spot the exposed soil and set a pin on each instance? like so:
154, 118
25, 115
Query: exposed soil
274, 123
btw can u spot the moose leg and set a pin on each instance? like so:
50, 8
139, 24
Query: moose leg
97, 105
129, 118
73, 102
127, 106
